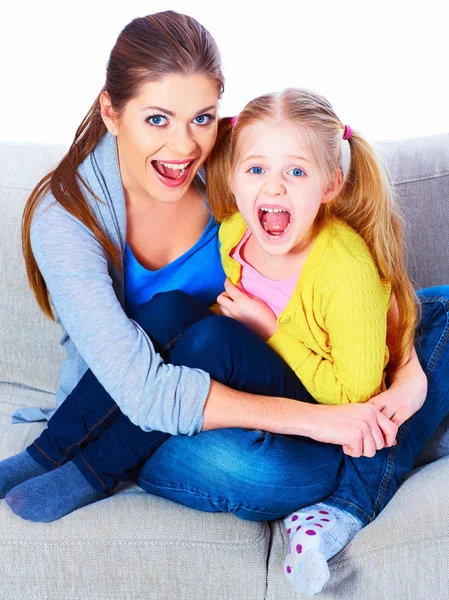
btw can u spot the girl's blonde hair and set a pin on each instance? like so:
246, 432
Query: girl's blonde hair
365, 200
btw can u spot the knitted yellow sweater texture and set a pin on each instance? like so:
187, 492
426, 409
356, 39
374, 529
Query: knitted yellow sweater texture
332, 332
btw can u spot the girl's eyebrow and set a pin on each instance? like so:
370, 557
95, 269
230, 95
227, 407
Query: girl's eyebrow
257, 156
172, 114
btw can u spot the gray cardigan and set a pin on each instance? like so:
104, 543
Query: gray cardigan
87, 292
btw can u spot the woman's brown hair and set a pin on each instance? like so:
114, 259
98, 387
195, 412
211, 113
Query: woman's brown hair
365, 200
148, 49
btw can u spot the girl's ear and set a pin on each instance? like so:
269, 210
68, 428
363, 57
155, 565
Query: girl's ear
333, 188
108, 113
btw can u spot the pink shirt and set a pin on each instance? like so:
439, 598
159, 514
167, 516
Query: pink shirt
273, 292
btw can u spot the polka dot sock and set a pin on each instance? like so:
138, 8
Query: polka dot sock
316, 534
17, 469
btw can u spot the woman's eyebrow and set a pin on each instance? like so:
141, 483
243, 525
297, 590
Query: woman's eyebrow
172, 114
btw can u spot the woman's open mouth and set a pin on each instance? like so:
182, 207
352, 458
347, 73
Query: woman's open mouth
275, 221
172, 174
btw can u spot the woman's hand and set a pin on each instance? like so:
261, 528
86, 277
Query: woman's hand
406, 393
239, 305
361, 429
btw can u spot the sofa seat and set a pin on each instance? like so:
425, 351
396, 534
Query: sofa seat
118, 548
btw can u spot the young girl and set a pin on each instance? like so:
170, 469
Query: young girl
306, 282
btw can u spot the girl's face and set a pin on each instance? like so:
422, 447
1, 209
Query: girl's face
278, 186
164, 135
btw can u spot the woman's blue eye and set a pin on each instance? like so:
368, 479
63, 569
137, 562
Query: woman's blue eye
203, 119
296, 172
256, 170
157, 120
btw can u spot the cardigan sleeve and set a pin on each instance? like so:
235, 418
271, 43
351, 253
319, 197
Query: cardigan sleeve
154, 395
353, 306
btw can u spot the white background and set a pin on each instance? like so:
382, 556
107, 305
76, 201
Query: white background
382, 64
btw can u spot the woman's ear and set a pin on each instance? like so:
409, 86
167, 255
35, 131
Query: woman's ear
108, 113
333, 188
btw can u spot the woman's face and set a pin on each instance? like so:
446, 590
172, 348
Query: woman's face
165, 134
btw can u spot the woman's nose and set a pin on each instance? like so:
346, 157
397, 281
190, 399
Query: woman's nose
182, 142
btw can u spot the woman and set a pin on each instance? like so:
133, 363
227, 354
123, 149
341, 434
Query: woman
131, 196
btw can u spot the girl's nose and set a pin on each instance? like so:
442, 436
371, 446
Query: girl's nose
274, 186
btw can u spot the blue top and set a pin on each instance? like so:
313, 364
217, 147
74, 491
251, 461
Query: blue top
197, 272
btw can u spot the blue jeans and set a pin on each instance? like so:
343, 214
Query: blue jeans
262, 476
89, 427
259, 475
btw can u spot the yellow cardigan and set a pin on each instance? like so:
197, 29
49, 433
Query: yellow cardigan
332, 332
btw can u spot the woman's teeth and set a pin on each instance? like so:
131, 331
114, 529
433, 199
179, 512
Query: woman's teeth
172, 170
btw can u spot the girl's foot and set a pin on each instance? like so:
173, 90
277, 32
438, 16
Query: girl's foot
316, 534
17, 469
52, 495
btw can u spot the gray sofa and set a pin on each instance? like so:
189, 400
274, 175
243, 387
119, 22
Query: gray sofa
124, 547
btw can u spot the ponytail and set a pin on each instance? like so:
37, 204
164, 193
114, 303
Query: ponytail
367, 204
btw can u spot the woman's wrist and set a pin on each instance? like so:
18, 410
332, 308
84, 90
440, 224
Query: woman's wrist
226, 407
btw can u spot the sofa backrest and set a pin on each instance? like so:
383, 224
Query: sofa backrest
29, 350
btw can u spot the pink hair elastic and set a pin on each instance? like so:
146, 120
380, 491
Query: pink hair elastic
234, 120
348, 132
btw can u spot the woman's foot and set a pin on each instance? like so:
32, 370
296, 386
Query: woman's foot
316, 534
52, 495
17, 469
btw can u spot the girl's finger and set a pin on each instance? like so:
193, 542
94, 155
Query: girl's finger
225, 302
232, 289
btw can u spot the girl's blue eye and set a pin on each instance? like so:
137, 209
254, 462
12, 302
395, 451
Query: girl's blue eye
296, 172
157, 120
203, 119
256, 170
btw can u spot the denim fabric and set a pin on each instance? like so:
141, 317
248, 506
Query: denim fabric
258, 475
254, 474
104, 444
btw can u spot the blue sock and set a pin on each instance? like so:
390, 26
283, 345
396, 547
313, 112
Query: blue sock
17, 469
52, 495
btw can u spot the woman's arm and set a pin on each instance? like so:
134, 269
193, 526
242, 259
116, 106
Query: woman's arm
360, 428
158, 396
120, 354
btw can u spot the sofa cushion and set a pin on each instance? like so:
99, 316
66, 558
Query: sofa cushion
29, 349
130, 546
419, 170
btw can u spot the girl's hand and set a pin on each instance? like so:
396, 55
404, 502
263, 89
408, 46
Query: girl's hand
361, 429
239, 305
400, 401
406, 393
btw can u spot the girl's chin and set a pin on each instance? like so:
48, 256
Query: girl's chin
275, 245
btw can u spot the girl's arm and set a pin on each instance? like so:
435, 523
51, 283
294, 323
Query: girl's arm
408, 384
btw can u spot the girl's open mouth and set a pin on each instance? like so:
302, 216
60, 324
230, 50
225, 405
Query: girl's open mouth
172, 174
274, 221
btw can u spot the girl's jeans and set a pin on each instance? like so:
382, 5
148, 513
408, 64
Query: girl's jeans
254, 474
